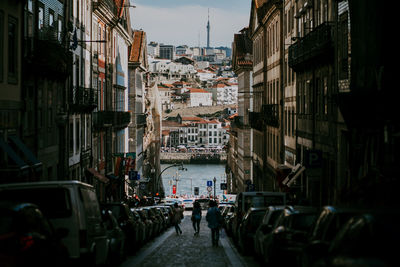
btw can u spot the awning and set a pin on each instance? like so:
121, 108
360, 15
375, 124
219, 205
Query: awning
98, 175
27, 152
11, 153
289, 180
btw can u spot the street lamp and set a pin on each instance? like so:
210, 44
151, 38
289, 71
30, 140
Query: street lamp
153, 171
215, 180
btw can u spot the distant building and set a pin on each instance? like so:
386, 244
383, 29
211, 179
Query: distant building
167, 52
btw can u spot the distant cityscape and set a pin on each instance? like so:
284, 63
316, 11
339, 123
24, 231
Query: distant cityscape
188, 77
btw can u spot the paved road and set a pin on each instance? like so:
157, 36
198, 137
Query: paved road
170, 249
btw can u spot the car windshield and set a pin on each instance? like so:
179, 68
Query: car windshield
303, 221
53, 202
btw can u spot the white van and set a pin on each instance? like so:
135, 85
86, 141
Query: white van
67, 204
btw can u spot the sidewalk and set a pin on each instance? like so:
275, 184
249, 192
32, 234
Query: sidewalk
187, 250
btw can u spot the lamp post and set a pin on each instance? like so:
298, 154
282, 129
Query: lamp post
154, 189
215, 180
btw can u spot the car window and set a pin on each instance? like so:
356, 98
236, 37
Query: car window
302, 221
274, 216
90, 202
53, 202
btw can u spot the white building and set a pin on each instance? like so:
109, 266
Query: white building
199, 97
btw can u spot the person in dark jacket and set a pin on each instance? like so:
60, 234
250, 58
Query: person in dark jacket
196, 217
177, 218
214, 219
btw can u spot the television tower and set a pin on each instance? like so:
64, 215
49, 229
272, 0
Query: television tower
208, 30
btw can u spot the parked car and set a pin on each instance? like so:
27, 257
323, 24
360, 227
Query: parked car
284, 243
366, 240
141, 225
247, 229
330, 220
27, 238
226, 213
246, 200
150, 227
67, 204
203, 203
271, 216
188, 203
116, 237
127, 223
156, 221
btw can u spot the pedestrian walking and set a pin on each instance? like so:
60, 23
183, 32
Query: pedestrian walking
196, 217
177, 219
214, 219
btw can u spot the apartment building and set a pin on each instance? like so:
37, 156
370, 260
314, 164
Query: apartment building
240, 128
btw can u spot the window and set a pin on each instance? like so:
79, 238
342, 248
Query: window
59, 30
343, 46
51, 17
40, 17
1, 44
12, 49
71, 137
77, 136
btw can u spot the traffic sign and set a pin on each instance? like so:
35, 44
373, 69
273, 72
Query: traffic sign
209, 188
224, 186
209, 183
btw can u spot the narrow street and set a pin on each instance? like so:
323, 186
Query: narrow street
170, 249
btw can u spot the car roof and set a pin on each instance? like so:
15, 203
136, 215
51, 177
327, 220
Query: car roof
44, 183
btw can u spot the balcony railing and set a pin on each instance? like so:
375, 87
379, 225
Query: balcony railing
116, 119
271, 114
44, 54
83, 100
316, 45
256, 120
140, 119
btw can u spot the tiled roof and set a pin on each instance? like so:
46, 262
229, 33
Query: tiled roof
197, 90
120, 6
137, 46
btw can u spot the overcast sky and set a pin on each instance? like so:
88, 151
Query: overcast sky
180, 22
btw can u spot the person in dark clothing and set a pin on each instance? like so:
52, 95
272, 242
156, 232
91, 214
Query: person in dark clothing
196, 217
214, 219
177, 218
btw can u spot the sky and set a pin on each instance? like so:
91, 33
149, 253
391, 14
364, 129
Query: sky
184, 22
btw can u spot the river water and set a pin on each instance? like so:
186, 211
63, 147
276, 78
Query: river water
196, 175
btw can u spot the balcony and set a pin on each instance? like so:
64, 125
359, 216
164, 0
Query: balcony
83, 100
140, 119
256, 120
237, 122
316, 46
271, 114
116, 119
45, 55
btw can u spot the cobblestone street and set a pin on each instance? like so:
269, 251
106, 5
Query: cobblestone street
170, 249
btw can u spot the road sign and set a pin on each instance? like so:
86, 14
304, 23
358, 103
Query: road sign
133, 175
224, 186
196, 191
209, 188
313, 158
209, 183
